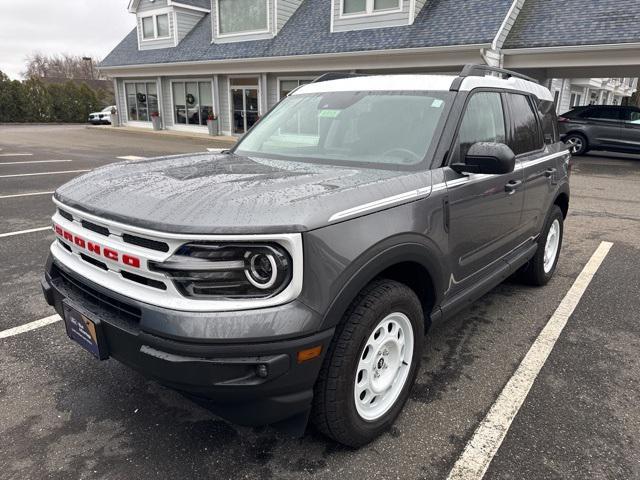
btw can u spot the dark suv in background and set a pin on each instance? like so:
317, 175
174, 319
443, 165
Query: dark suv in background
601, 127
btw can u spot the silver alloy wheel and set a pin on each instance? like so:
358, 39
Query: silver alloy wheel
575, 144
551, 247
383, 367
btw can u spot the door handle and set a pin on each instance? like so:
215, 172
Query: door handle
512, 186
550, 171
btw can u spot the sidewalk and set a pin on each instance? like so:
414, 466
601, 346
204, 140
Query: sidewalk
167, 133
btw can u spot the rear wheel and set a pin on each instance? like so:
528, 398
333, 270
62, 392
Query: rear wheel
542, 266
577, 143
371, 366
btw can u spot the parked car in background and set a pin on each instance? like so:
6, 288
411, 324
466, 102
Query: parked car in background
103, 116
601, 127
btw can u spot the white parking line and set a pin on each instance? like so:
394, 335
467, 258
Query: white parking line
488, 437
31, 230
42, 173
131, 157
25, 194
43, 322
34, 161
16, 154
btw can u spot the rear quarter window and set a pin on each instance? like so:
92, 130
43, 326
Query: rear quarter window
549, 121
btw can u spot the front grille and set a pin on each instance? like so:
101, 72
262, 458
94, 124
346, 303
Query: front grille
95, 228
145, 242
94, 262
90, 296
149, 282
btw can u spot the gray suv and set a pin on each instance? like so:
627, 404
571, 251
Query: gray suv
601, 127
294, 276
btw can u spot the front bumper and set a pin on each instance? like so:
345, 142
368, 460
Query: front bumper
229, 376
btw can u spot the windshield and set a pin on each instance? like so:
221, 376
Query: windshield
376, 129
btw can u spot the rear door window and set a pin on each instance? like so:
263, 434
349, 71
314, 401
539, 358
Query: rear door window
603, 113
525, 135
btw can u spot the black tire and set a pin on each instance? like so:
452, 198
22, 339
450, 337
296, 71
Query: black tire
534, 272
577, 143
334, 410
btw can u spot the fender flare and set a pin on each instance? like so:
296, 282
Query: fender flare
410, 248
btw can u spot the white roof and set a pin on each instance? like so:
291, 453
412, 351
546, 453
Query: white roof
423, 82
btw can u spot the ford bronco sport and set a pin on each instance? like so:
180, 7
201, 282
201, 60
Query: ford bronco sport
294, 276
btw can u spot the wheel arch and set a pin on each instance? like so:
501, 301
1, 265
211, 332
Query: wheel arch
412, 264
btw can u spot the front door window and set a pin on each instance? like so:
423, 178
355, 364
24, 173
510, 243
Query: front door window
245, 106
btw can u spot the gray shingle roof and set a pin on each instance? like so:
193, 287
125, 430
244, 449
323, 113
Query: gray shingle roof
440, 23
547, 23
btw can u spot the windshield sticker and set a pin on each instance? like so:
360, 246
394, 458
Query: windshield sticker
437, 103
329, 113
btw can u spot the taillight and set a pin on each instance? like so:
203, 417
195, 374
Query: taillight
562, 119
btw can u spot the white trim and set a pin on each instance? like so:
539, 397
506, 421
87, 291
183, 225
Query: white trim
290, 78
243, 33
169, 298
314, 57
572, 48
382, 203
160, 102
332, 15
369, 11
503, 26
412, 11
176, 3
185, 126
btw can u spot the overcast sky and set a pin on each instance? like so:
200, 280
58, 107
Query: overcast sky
80, 27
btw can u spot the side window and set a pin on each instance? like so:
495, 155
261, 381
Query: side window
603, 113
549, 121
483, 121
631, 116
526, 135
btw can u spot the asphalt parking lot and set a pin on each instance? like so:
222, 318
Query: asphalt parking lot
65, 415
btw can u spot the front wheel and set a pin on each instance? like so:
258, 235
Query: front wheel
542, 266
371, 366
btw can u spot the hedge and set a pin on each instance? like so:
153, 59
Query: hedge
33, 100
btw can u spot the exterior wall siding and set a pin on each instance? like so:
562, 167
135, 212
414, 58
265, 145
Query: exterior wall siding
223, 110
167, 121
361, 22
185, 21
419, 6
160, 43
286, 8
146, 5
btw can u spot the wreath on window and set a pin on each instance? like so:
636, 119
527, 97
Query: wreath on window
141, 97
191, 100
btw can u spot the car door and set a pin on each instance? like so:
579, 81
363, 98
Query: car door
533, 157
630, 134
484, 210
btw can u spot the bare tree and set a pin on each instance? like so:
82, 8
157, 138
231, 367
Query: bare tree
62, 66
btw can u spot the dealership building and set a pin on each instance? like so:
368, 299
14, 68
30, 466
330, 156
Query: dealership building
187, 60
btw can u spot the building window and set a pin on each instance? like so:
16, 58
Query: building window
576, 98
192, 102
155, 26
556, 98
242, 16
370, 6
287, 86
142, 101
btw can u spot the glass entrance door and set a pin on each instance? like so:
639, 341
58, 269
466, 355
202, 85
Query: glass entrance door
244, 102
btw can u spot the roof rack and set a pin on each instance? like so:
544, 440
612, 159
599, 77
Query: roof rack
337, 76
471, 70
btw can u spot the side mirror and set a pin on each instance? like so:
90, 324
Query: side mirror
487, 157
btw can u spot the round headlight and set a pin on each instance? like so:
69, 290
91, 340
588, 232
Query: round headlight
262, 270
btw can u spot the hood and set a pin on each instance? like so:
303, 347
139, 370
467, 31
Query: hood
227, 194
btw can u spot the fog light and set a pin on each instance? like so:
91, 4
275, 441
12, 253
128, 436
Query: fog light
262, 371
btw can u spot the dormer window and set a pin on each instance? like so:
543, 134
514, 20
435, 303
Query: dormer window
369, 7
242, 17
155, 26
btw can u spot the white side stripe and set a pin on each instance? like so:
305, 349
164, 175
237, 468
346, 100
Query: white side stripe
42, 173
43, 322
488, 437
403, 197
32, 230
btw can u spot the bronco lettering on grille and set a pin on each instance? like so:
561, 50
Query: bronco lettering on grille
98, 249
